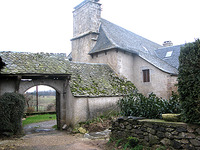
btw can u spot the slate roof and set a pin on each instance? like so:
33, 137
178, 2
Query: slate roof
90, 80
117, 37
113, 36
173, 60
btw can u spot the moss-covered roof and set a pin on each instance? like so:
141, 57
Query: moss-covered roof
97, 80
40, 63
86, 79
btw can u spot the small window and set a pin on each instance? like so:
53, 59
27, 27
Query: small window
168, 54
146, 76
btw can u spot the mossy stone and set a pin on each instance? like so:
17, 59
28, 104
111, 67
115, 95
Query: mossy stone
171, 117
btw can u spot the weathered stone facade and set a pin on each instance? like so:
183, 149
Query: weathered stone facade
176, 135
128, 58
131, 66
86, 23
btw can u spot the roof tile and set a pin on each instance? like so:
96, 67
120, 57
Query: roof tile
86, 79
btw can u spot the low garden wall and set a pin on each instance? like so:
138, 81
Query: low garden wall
152, 133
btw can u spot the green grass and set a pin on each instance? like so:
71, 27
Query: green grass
38, 118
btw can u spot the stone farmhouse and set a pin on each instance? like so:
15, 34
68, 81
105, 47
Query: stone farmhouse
83, 90
150, 66
107, 62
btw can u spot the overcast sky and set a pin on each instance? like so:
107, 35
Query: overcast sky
46, 25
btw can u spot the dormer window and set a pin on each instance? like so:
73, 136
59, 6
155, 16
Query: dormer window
169, 54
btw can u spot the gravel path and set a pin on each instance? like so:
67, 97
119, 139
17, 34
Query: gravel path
41, 136
40, 127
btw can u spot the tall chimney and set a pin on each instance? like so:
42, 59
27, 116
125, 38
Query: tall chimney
86, 23
86, 17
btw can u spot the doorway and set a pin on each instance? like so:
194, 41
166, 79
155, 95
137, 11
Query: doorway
43, 99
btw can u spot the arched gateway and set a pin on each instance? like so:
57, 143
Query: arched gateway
59, 82
25, 81
25, 70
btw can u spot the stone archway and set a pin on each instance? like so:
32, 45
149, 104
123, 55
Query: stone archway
57, 98
59, 83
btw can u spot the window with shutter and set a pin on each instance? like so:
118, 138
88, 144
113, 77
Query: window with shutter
146, 76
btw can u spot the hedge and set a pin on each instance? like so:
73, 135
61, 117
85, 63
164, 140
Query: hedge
11, 111
189, 82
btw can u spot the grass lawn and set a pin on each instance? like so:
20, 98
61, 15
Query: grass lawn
38, 118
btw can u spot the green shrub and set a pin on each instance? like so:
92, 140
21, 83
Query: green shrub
136, 104
11, 112
189, 82
173, 104
138, 147
2, 64
133, 141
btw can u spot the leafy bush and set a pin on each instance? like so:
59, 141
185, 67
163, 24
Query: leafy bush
173, 104
189, 82
136, 104
2, 64
133, 141
11, 112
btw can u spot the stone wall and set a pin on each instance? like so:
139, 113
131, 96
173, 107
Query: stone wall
176, 135
81, 109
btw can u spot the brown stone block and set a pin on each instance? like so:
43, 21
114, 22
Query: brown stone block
195, 142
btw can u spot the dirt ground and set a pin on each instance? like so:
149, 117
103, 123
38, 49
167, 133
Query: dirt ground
41, 137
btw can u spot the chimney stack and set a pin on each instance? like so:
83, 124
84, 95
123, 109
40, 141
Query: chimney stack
167, 43
86, 24
86, 17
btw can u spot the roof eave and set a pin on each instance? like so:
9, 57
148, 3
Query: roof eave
37, 75
114, 47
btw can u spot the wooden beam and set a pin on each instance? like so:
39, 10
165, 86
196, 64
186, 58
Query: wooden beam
19, 77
